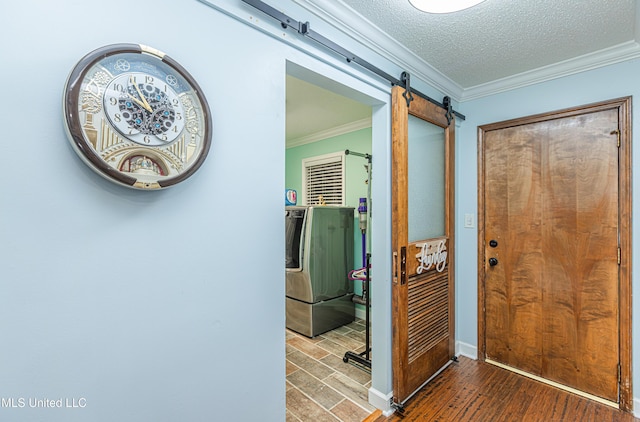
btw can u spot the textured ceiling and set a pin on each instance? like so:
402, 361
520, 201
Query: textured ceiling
493, 46
500, 38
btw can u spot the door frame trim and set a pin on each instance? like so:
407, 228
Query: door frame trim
623, 105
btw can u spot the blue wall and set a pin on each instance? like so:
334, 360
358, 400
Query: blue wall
153, 306
137, 301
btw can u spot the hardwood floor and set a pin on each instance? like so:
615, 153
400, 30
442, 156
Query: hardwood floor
469, 390
320, 386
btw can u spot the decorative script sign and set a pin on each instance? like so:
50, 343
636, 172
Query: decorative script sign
432, 254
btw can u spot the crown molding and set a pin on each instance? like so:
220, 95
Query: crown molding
346, 20
330, 133
622, 52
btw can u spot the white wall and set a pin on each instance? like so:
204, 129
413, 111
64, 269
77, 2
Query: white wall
606, 83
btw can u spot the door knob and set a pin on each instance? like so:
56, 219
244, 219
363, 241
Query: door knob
493, 262
493, 243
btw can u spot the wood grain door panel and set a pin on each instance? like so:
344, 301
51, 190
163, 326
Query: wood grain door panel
551, 202
423, 290
514, 221
580, 209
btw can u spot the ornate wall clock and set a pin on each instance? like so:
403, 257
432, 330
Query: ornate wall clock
136, 116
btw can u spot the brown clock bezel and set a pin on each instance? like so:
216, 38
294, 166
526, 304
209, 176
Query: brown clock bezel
81, 144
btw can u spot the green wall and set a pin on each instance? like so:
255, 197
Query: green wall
356, 177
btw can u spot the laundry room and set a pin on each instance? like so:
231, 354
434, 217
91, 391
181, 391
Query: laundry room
327, 258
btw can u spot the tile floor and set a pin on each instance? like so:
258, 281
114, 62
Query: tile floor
320, 386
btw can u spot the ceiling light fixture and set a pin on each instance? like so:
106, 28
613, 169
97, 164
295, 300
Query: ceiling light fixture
443, 6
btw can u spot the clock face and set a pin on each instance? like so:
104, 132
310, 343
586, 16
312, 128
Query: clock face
144, 109
136, 116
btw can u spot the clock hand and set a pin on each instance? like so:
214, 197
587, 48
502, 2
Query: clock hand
144, 100
144, 104
137, 101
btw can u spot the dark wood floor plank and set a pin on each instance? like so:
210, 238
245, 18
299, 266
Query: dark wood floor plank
472, 391
445, 388
517, 404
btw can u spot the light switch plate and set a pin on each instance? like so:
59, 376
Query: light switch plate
469, 221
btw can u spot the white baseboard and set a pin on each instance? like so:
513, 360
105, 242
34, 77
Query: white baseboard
360, 312
381, 401
467, 350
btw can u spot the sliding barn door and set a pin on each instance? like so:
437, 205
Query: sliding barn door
423, 295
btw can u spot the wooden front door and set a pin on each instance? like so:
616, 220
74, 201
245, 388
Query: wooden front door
422, 231
550, 255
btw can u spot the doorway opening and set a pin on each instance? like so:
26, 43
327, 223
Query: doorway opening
328, 166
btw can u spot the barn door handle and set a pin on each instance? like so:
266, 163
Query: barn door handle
395, 266
493, 262
403, 265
